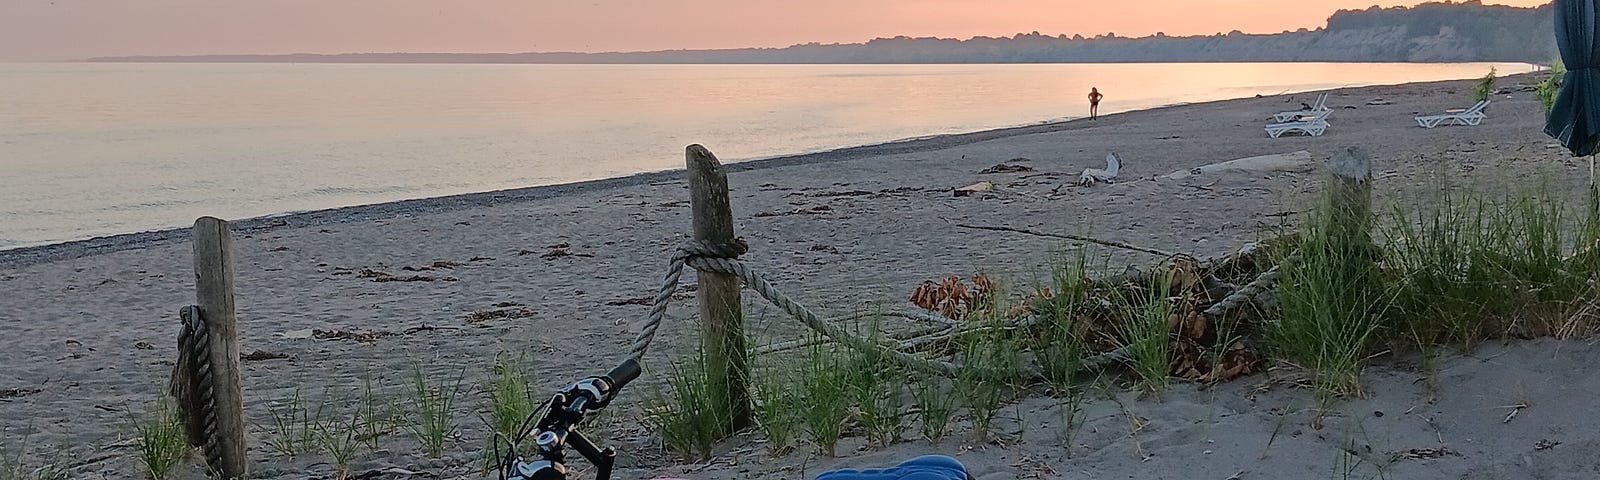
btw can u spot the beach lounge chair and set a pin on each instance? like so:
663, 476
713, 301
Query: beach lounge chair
1310, 124
1319, 107
1469, 116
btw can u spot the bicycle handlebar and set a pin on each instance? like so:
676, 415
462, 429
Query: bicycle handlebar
565, 410
624, 373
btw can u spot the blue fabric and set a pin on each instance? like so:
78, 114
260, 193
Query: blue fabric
1575, 118
926, 467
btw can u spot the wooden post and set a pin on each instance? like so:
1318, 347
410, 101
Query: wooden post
722, 334
213, 273
1350, 201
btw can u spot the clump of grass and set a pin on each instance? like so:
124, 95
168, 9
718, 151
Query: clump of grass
1331, 299
778, 406
294, 425
162, 443
1144, 332
825, 402
1550, 85
339, 438
1443, 293
877, 386
1057, 342
988, 366
1470, 268
688, 418
511, 402
433, 405
935, 406
1484, 87
378, 412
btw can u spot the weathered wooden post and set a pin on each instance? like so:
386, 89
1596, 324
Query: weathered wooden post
213, 273
1350, 199
723, 331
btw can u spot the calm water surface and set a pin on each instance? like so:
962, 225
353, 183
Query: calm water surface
98, 149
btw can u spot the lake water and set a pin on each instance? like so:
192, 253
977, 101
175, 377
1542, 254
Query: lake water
97, 149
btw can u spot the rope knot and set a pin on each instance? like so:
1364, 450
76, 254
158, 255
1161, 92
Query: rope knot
724, 250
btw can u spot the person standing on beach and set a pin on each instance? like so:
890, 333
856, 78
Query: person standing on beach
1094, 102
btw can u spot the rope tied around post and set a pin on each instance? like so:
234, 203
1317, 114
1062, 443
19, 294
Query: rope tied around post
192, 386
658, 309
723, 258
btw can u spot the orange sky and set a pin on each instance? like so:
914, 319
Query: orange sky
66, 29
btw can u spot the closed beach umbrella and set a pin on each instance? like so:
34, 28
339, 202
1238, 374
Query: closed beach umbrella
1575, 118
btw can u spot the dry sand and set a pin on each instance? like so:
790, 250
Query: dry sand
90, 326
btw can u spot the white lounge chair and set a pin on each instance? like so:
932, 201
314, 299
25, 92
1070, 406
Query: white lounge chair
1319, 107
1310, 124
1470, 116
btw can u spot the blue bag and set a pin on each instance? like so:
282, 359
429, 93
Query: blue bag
926, 467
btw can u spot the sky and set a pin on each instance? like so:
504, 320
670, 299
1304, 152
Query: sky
32, 30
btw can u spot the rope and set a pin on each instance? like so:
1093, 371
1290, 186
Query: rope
197, 343
658, 309
723, 258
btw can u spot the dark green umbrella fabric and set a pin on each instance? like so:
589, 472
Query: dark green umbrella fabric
1575, 118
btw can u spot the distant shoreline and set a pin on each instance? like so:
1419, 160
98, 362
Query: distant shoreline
283, 60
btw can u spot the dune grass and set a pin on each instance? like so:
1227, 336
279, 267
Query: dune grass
294, 424
987, 372
686, 416
378, 412
1472, 267
935, 406
778, 406
1331, 300
339, 437
1462, 269
511, 402
433, 405
1144, 332
161, 442
877, 385
825, 401
1056, 341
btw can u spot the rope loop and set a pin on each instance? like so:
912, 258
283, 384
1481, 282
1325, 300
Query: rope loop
703, 249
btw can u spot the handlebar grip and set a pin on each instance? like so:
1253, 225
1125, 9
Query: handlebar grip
623, 374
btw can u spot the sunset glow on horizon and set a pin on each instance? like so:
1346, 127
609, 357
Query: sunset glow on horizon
73, 29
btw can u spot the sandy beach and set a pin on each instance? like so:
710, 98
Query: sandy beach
92, 325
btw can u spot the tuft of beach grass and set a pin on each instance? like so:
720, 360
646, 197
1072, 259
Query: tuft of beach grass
686, 417
161, 441
433, 410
